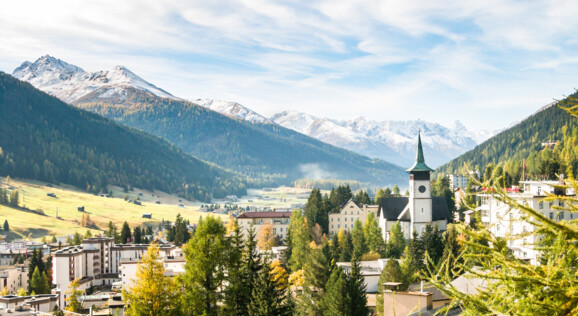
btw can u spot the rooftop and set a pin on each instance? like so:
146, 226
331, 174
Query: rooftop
265, 215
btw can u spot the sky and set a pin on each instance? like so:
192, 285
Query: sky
486, 63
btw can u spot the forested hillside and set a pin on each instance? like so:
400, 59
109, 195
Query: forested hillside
259, 150
547, 141
43, 138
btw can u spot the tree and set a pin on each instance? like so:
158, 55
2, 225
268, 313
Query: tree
336, 301
356, 288
204, 268
395, 190
6, 226
391, 273
53, 240
39, 283
268, 297
396, 242
77, 240
347, 249
88, 234
432, 242
373, 235
299, 239
358, 238
14, 198
137, 233
266, 239
379, 195
315, 212
235, 296
316, 274
73, 294
152, 292
125, 234
513, 287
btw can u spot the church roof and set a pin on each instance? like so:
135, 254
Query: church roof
392, 206
419, 164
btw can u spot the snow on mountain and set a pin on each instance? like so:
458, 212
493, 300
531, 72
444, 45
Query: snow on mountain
232, 109
392, 141
71, 83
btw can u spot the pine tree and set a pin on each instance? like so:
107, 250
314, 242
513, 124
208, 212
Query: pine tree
152, 292
316, 274
347, 249
396, 242
299, 236
336, 301
356, 288
125, 234
236, 296
373, 236
137, 233
391, 273
358, 238
315, 211
39, 283
268, 297
6, 226
204, 268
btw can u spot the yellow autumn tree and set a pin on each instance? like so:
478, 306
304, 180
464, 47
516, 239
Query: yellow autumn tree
266, 239
153, 293
231, 224
73, 294
279, 275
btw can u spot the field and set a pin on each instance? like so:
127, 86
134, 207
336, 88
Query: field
61, 216
101, 210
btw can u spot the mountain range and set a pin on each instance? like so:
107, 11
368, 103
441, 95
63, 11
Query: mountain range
258, 149
46, 139
392, 141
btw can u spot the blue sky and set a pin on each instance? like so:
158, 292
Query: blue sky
485, 63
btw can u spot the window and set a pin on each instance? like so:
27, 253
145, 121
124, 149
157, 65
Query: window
562, 203
552, 215
498, 227
337, 225
422, 210
331, 225
346, 219
339, 219
345, 212
281, 229
332, 219
351, 206
351, 225
541, 205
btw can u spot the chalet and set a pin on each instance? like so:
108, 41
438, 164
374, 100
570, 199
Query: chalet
417, 210
147, 215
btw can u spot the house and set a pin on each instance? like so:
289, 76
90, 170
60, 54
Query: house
417, 210
506, 222
349, 212
279, 221
147, 215
13, 278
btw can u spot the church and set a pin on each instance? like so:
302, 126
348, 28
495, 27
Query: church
420, 208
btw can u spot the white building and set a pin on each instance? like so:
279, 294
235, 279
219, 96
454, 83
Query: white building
457, 181
417, 210
350, 212
278, 220
506, 222
95, 262
14, 278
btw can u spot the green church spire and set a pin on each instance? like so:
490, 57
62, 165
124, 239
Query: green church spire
419, 164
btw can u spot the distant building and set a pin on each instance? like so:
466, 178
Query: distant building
417, 210
279, 221
349, 212
13, 278
504, 221
457, 181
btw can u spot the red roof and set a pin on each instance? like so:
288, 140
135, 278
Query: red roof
265, 215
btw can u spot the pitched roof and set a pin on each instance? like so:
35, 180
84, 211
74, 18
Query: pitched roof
391, 207
265, 215
419, 164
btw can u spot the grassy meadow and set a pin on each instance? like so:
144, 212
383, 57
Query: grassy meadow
33, 195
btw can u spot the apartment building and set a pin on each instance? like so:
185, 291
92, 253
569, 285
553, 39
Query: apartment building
279, 221
349, 212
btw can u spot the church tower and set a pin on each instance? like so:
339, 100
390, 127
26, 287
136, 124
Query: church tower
420, 201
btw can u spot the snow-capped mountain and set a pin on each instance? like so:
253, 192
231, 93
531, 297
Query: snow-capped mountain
72, 84
392, 141
232, 109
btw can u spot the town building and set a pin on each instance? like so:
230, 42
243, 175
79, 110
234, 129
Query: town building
503, 221
278, 220
417, 210
13, 278
94, 263
457, 181
349, 212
